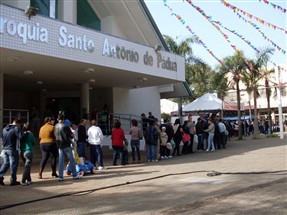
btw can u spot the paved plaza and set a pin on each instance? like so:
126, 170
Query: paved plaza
249, 177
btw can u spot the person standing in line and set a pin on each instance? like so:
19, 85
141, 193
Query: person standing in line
185, 138
48, 146
159, 139
63, 135
95, 139
135, 141
191, 127
222, 130
177, 137
164, 138
210, 130
199, 133
118, 137
27, 146
10, 154
151, 138
170, 133
82, 138
144, 122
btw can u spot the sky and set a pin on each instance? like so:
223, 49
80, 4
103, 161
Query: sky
212, 38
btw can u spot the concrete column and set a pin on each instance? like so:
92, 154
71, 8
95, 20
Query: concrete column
1, 103
67, 11
85, 97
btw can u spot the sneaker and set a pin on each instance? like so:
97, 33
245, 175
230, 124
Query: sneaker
162, 157
156, 160
60, 179
207, 150
77, 177
2, 183
24, 183
148, 160
170, 156
102, 168
29, 182
165, 157
14, 183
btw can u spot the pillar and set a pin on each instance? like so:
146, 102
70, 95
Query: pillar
1, 102
85, 97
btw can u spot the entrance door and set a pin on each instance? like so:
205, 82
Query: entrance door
70, 107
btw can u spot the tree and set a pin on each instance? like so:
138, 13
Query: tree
266, 74
234, 66
251, 78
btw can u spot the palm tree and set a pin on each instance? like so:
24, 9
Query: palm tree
266, 74
251, 78
235, 66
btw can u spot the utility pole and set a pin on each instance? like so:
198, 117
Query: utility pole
280, 105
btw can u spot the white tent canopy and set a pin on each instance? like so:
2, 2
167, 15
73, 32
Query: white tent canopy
207, 102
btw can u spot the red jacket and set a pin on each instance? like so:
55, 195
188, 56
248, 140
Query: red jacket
118, 136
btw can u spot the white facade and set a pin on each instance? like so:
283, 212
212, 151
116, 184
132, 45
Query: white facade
45, 59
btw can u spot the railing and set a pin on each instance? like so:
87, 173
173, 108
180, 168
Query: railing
106, 121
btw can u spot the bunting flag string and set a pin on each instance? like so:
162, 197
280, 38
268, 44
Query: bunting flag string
222, 33
193, 33
263, 22
274, 6
264, 36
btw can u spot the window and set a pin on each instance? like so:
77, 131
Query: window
86, 16
46, 7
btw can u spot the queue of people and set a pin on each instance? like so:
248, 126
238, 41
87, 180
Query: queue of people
68, 140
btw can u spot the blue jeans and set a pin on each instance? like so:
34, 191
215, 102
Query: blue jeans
210, 141
118, 151
151, 152
96, 153
10, 159
82, 149
135, 144
72, 164
27, 158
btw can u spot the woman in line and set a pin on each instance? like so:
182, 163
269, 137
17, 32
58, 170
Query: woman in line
48, 146
118, 137
210, 130
27, 145
177, 137
135, 141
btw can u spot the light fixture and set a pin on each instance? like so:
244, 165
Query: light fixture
143, 79
40, 82
89, 70
157, 48
28, 72
31, 11
92, 80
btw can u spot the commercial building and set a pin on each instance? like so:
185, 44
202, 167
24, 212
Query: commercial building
62, 55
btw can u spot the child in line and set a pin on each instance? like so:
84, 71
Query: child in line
164, 138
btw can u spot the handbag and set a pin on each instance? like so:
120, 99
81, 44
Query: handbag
185, 137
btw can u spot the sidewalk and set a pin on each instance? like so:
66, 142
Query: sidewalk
253, 181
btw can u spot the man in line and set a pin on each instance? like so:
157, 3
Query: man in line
11, 134
95, 138
63, 135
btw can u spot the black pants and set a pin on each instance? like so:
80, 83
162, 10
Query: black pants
177, 146
47, 149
